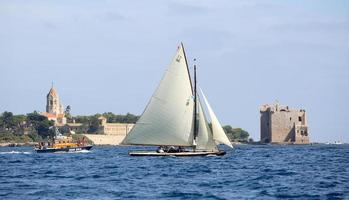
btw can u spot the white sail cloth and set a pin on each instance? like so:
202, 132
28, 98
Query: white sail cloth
204, 138
218, 133
168, 117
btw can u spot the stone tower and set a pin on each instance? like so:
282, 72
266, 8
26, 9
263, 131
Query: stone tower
53, 104
54, 108
281, 124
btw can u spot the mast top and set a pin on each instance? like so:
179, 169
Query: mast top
186, 63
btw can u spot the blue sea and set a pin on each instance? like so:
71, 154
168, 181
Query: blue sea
246, 172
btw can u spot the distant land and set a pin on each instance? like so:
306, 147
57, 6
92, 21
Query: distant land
34, 127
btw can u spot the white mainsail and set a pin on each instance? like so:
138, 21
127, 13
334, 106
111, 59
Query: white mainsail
218, 133
168, 117
204, 138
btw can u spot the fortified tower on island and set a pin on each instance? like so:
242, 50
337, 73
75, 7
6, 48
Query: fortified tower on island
281, 124
54, 108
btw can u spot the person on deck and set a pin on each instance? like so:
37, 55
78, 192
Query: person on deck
160, 149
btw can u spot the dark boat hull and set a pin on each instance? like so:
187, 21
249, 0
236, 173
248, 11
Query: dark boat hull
182, 154
73, 149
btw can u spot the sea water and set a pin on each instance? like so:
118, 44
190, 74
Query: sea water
245, 172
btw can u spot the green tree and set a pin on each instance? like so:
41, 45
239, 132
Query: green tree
13, 124
82, 119
128, 118
67, 112
8, 120
236, 134
40, 123
111, 118
93, 125
34, 137
19, 120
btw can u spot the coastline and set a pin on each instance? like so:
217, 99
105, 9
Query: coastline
104, 143
17, 144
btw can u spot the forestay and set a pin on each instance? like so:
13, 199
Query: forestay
168, 117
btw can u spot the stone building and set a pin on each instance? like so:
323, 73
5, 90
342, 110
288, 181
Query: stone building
110, 133
113, 128
77, 127
54, 108
281, 124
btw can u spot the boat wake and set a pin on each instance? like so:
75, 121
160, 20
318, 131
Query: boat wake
16, 152
82, 151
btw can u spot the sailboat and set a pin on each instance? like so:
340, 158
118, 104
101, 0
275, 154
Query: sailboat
175, 119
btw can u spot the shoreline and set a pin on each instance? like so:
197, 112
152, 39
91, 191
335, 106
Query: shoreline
17, 144
31, 144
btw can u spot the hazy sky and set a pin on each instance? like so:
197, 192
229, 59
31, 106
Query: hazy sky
110, 55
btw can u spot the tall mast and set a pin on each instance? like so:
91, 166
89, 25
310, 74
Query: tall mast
195, 106
186, 63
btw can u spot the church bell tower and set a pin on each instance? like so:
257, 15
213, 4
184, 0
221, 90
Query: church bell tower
53, 104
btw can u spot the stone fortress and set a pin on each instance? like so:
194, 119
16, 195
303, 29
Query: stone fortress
110, 133
107, 133
283, 125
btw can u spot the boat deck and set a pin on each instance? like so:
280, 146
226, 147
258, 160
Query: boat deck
72, 149
186, 153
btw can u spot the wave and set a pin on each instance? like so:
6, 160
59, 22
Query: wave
82, 151
16, 152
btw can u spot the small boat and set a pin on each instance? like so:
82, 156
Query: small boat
335, 142
175, 118
62, 143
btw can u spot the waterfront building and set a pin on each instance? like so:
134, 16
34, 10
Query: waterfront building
54, 108
77, 127
113, 128
110, 133
106, 133
283, 125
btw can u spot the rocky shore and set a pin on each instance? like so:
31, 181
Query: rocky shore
20, 144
